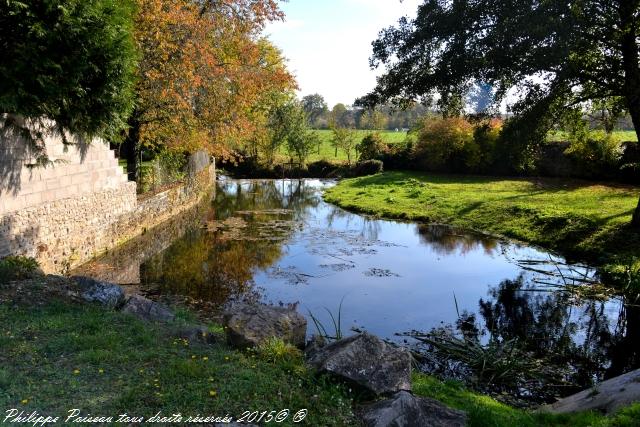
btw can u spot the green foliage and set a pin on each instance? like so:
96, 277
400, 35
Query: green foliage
481, 155
483, 411
371, 147
274, 350
288, 126
441, 142
597, 152
344, 139
496, 363
555, 54
315, 107
367, 167
336, 320
18, 268
172, 165
71, 61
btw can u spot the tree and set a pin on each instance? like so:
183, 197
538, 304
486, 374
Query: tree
371, 147
315, 107
340, 116
206, 77
288, 125
71, 62
345, 139
557, 53
373, 119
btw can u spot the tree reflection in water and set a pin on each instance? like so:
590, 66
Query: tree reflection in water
568, 340
211, 268
547, 325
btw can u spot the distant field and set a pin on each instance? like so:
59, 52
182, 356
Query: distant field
327, 152
622, 135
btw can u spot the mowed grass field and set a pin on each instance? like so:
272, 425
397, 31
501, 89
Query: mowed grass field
620, 135
326, 152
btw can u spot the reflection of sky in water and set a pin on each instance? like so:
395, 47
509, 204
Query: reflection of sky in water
394, 276
279, 242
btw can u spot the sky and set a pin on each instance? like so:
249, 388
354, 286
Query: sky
328, 43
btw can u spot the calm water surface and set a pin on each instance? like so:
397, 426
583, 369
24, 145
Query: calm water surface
278, 242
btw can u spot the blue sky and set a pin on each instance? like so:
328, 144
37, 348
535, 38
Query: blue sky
328, 43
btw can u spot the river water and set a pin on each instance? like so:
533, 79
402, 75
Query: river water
278, 242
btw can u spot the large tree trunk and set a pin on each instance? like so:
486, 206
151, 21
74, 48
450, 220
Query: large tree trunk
630, 57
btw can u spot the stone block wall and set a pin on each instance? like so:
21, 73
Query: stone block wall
81, 204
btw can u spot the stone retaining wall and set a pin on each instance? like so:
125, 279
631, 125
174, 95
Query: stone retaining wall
82, 204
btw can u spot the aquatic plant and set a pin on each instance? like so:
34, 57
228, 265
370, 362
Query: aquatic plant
335, 319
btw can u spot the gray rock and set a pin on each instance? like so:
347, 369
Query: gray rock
405, 410
315, 344
146, 309
105, 293
197, 334
607, 397
249, 325
366, 360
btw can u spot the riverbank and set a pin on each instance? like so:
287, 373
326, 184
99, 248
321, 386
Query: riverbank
60, 353
584, 221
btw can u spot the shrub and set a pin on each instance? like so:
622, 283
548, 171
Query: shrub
18, 268
596, 153
372, 147
368, 167
276, 351
480, 154
400, 156
321, 168
441, 143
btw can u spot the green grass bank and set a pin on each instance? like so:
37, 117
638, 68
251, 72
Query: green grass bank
582, 220
58, 354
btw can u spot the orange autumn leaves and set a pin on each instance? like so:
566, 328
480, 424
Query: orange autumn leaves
205, 74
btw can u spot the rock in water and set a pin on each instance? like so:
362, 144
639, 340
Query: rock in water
249, 325
607, 397
405, 410
366, 360
146, 309
107, 294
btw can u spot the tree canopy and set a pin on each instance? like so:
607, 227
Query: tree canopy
554, 54
69, 61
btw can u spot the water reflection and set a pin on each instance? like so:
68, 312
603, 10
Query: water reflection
571, 342
278, 242
445, 240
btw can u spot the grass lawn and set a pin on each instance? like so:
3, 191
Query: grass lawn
327, 152
484, 411
58, 355
583, 220
622, 135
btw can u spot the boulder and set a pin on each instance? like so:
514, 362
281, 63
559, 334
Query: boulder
146, 309
366, 360
606, 397
405, 410
105, 293
248, 325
